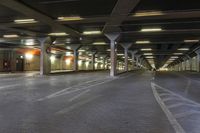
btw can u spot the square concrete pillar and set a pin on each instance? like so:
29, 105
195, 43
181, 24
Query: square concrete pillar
113, 38
45, 63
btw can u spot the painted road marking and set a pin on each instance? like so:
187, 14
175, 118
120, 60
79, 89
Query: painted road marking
73, 89
79, 95
74, 106
177, 127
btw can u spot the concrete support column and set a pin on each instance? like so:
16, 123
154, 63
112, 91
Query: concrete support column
75, 65
198, 60
45, 63
75, 48
93, 60
190, 62
13, 60
113, 60
138, 60
126, 46
133, 59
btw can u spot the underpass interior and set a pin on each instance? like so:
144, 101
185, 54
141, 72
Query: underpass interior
99, 66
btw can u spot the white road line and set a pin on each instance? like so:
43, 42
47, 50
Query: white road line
165, 94
181, 104
72, 107
79, 95
191, 112
169, 99
177, 127
9, 86
66, 91
177, 95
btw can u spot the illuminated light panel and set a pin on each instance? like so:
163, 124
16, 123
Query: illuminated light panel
99, 43
147, 54
91, 32
58, 34
71, 18
183, 49
151, 29
149, 57
148, 13
190, 41
146, 49
142, 42
174, 57
120, 54
25, 21
81, 50
29, 42
108, 49
177, 53
68, 53
11, 36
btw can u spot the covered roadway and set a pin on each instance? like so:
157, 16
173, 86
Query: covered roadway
99, 66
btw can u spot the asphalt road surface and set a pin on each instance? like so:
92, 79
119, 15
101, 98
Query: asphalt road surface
136, 102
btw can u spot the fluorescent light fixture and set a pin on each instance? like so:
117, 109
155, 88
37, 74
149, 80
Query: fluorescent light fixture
58, 34
71, 18
147, 54
146, 49
149, 57
148, 13
142, 42
68, 53
174, 57
11, 36
29, 42
25, 21
151, 29
183, 49
81, 50
108, 49
99, 43
92, 32
190, 41
178, 53
120, 54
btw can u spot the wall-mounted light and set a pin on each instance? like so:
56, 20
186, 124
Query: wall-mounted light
68, 61
87, 63
80, 62
28, 56
52, 58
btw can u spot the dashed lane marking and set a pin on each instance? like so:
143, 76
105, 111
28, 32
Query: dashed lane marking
177, 127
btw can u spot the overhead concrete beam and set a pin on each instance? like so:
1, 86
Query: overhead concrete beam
119, 14
31, 13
